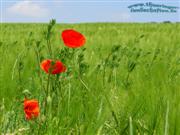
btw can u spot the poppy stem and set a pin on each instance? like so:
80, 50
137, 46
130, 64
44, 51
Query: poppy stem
49, 47
47, 93
37, 52
49, 35
47, 88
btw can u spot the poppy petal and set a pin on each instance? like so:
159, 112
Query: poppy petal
31, 108
53, 67
72, 38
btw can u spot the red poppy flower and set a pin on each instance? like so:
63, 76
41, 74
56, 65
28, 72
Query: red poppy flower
31, 108
73, 39
53, 67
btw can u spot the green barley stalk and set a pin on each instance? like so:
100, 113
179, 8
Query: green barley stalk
49, 35
130, 126
166, 119
114, 49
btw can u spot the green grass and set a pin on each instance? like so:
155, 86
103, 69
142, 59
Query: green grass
129, 85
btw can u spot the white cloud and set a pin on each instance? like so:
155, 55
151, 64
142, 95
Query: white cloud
125, 16
28, 8
122, 17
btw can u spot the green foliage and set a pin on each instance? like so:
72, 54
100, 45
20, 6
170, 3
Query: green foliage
125, 80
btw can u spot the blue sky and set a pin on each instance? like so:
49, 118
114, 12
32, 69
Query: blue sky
77, 11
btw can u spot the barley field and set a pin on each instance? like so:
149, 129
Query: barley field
124, 81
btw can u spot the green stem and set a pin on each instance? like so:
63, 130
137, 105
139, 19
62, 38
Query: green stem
111, 108
49, 47
48, 81
47, 93
38, 63
106, 96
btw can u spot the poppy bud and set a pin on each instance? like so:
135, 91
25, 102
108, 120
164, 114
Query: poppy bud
49, 99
